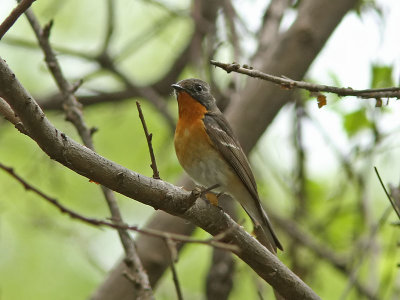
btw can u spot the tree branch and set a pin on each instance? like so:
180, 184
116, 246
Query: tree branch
149, 137
322, 251
10, 116
214, 242
291, 53
173, 258
14, 15
114, 286
287, 83
157, 193
392, 202
72, 109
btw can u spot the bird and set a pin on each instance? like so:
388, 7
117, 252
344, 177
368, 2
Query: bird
210, 153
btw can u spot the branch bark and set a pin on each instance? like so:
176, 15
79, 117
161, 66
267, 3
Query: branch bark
14, 15
287, 83
72, 109
291, 54
156, 193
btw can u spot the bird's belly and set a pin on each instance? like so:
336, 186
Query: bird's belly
200, 159
209, 171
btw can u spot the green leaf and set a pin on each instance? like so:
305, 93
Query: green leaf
355, 122
367, 6
381, 76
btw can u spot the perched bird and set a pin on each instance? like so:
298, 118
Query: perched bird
210, 153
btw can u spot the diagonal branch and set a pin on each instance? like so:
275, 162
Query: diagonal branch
157, 193
214, 242
72, 109
173, 258
392, 202
71, 105
14, 15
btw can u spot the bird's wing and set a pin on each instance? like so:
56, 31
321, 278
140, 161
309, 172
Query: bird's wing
225, 141
223, 138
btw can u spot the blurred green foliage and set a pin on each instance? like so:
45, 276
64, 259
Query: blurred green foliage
356, 121
46, 255
382, 76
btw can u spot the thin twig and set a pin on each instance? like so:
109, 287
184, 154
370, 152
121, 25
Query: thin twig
7, 112
110, 25
138, 42
71, 105
148, 93
287, 83
395, 208
72, 109
321, 250
30, 45
14, 15
231, 17
214, 242
362, 254
173, 257
149, 137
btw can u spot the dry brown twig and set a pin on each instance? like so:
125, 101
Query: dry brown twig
394, 191
214, 241
287, 83
149, 137
173, 255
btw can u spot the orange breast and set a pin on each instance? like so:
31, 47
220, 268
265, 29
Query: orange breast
191, 140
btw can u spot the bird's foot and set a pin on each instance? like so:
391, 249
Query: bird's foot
206, 192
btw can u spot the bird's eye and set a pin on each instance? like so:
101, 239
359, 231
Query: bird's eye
198, 88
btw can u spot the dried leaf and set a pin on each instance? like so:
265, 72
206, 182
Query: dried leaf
321, 100
378, 102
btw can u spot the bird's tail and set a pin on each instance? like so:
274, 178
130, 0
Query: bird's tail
267, 237
265, 234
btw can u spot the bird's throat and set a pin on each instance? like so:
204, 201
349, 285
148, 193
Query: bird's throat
189, 109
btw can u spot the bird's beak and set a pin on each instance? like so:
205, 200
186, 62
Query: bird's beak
177, 87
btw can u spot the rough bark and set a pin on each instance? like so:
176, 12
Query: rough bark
290, 55
149, 191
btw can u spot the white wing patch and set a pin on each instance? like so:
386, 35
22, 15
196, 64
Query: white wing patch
222, 142
218, 129
229, 145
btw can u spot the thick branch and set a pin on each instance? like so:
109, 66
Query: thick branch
155, 263
149, 191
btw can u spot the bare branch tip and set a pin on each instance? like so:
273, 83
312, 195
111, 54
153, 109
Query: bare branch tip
47, 28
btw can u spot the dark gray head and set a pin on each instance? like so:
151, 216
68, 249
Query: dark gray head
198, 89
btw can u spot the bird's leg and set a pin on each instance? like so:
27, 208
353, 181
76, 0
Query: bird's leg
211, 197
